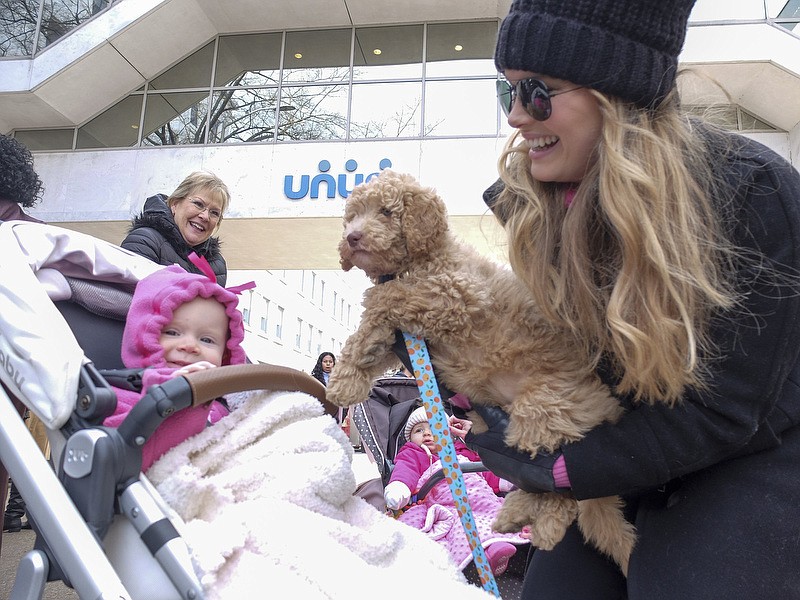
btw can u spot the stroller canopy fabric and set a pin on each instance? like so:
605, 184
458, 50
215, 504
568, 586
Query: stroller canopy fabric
40, 359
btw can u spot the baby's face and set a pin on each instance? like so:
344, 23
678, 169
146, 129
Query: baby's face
421, 435
198, 331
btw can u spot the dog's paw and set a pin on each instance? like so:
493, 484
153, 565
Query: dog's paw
515, 513
548, 516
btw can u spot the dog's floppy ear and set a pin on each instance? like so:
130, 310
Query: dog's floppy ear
424, 219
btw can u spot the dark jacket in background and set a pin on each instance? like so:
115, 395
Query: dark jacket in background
155, 235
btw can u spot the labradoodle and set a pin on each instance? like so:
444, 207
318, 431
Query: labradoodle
486, 340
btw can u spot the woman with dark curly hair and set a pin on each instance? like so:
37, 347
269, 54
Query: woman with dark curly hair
20, 186
323, 368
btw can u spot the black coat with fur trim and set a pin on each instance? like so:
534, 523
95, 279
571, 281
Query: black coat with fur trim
154, 235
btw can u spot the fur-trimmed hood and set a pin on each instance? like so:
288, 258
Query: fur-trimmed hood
157, 215
155, 235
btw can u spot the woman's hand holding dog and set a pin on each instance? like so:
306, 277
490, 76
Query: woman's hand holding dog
531, 474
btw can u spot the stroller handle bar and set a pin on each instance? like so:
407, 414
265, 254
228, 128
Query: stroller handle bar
209, 384
201, 387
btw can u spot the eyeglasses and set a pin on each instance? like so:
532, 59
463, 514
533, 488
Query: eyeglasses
213, 213
533, 94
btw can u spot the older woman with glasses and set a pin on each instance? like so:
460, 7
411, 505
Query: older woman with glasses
171, 228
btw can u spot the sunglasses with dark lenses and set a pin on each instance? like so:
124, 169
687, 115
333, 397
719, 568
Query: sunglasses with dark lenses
533, 94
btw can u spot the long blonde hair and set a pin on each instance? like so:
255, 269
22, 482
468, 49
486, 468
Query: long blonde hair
639, 262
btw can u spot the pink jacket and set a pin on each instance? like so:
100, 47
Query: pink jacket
412, 461
437, 516
155, 299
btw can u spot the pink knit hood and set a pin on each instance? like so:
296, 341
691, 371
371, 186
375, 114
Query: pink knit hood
154, 301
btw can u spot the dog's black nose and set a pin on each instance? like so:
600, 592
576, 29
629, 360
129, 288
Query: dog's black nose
354, 238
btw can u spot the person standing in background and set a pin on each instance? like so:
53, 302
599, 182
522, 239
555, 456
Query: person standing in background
20, 185
322, 369
20, 188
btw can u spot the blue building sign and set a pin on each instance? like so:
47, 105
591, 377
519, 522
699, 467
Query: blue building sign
331, 184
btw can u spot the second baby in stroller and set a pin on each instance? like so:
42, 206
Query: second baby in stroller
436, 514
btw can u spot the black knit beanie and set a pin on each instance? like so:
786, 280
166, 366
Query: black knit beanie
625, 48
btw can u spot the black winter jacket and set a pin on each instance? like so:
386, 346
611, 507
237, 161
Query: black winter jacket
713, 484
154, 235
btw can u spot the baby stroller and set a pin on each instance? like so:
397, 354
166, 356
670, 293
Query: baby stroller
380, 421
100, 527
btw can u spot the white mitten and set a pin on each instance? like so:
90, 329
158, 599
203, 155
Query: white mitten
396, 495
506, 486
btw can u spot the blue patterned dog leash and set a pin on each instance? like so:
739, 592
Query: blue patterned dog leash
431, 399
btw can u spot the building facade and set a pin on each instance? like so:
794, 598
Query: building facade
292, 103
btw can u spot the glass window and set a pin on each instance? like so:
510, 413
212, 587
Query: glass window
46, 139
18, 27
176, 118
455, 108
790, 10
724, 116
248, 59
388, 53
194, 71
386, 110
265, 318
461, 49
117, 127
59, 17
714, 10
314, 112
243, 116
279, 323
322, 55
297, 339
752, 123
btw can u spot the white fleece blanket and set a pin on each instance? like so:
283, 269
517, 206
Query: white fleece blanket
266, 496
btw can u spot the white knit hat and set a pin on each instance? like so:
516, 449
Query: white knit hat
418, 416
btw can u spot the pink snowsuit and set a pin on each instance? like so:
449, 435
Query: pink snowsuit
154, 301
437, 515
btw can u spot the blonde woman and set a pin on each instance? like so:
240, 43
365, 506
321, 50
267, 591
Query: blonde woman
671, 252
170, 228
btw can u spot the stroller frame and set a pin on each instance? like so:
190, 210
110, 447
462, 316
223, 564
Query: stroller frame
56, 518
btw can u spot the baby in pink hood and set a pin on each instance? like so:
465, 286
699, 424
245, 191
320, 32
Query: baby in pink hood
179, 322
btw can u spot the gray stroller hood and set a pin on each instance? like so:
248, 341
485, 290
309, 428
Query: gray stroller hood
40, 358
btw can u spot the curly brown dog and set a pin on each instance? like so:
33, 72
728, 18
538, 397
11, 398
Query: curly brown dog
486, 340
